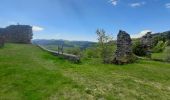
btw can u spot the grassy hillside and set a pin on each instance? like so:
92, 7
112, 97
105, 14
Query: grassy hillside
28, 73
162, 55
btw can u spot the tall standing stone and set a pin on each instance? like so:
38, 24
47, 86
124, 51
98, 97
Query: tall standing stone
124, 53
146, 41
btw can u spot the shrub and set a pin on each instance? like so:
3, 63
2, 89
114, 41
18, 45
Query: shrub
158, 38
74, 51
168, 42
105, 46
160, 47
167, 53
138, 49
92, 52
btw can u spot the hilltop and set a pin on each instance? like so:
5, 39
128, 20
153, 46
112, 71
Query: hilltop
27, 72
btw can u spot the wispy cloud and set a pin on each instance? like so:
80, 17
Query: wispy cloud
140, 34
137, 4
37, 28
113, 2
167, 5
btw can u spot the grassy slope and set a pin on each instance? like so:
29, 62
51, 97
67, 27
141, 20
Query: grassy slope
28, 73
162, 56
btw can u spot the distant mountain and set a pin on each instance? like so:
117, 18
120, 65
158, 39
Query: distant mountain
65, 43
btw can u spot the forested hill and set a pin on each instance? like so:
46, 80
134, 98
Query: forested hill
65, 43
165, 34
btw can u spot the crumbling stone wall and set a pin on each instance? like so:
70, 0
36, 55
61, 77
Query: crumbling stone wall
146, 41
18, 34
2, 41
124, 52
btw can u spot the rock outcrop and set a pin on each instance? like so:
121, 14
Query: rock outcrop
124, 53
146, 41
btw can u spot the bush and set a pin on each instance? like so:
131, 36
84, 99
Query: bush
158, 38
160, 47
107, 53
167, 52
92, 52
138, 49
105, 46
74, 51
168, 42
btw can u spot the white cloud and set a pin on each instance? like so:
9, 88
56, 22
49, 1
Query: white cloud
140, 34
37, 28
167, 5
137, 4
114, 2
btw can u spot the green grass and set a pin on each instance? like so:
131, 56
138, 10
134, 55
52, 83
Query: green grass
160, 56
28, 73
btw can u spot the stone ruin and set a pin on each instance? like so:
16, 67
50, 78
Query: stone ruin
17, 33
124, 53
1, 41
1, 38
146, 42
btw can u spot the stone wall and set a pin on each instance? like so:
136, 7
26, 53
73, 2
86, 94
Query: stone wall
70, 57
2, 41
17, 33
146, 41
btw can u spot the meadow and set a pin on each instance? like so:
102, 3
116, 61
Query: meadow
29, 73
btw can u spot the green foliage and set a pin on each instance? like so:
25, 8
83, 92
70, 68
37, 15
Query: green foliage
92, 52
168, 42
105, 45
159, 47
138, 49
158, 38
167, 53
74, 51
167, 35
163, 56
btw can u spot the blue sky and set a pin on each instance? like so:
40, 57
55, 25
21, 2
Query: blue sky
79, 19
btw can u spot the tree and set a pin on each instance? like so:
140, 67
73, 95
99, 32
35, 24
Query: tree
105, 45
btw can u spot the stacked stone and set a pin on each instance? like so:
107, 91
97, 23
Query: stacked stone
2, 42
18, 34
146, 41
124, 53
